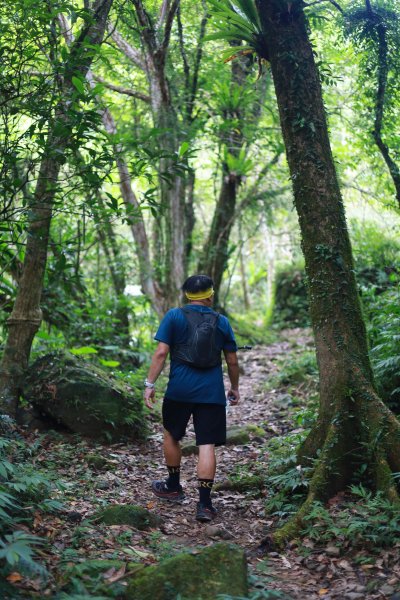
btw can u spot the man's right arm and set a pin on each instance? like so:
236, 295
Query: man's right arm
157, 365
233, 373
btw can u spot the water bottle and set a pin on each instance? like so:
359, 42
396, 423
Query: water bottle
230, 397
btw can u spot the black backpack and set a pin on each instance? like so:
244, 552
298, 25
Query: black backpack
199, 350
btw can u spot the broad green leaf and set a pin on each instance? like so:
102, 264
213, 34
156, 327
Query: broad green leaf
109, 363
78, 83
183, 148
83, 350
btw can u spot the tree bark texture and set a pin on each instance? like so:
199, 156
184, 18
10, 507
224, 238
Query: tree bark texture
171, 183
26, 315
115, 265
216, 249
164, 262
353, 425
383, 70
148, 281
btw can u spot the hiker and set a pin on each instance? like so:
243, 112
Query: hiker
195, 336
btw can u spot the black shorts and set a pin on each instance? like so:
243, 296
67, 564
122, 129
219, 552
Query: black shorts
209, 421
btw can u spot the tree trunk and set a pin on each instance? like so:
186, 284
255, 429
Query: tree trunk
26, 316
246, 299
115, 265
216, 249
353, 426
148, 282
383, 70
172, 184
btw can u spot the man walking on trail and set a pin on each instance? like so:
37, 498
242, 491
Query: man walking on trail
195, 336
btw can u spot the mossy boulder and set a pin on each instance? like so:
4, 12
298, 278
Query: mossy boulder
255, 430
218, 569
236, 436
129, 514
189, 448
84, 398
98, 462
244, 484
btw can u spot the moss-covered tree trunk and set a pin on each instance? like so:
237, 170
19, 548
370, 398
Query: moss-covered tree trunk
353, 426
26, 315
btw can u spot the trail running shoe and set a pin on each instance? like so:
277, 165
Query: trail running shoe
205, 513
161, 490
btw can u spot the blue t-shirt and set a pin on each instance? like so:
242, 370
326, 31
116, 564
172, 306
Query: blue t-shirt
186, 383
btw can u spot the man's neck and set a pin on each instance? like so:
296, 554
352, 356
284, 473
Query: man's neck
205, 302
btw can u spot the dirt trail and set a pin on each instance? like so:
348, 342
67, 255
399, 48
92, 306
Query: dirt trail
241, 516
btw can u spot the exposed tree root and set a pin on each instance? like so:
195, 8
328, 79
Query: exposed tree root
313, 443
377, 430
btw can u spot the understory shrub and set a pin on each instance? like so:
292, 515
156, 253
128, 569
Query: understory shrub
383, 325
376, 262
291, 301
23, 492
365, 520
286, 482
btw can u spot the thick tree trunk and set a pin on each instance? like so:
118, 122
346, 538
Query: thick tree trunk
351, 414
26, 316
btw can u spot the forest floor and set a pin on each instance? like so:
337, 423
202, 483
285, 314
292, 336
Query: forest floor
304, 570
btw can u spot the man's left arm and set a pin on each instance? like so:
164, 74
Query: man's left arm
156, 366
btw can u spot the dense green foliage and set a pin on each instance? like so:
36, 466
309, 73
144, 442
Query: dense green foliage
24, 492
140, 186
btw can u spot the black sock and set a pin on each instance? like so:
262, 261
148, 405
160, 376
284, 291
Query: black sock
173, 479
205, 487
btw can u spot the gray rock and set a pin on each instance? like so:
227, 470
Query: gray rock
218, 531
387, 589
332, 551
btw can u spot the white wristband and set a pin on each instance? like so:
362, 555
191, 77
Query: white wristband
148, 384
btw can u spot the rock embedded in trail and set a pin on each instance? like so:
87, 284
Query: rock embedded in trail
129, 514
235, 436
84, 398
98, 462
217, 569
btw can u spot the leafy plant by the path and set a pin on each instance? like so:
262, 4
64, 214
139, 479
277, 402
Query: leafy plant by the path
23, 491
286, 482
365, 521
384, 333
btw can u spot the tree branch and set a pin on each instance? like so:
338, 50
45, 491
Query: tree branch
335, 4
168, 26
186, 68
199, 56
147, 30
122, 90
163, 13
130, 52
383, 70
